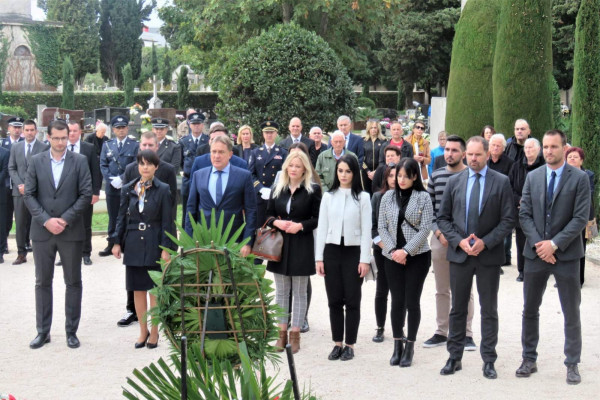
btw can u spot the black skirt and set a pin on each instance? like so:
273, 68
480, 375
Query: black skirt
137, 278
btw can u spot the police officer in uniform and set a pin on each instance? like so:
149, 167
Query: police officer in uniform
115, 155
189, 144
168, 150
15, 127
266, 161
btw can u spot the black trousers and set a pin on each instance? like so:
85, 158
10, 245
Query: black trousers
185, 192
87, 224
520, 239
343, 285
582, 259
381, 289
406, 285
3, 230
44, 255
23, 223
488, 281
536, 277
112, 206
7, 220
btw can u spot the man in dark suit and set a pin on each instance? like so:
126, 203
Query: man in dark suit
58, 189
20, 155
164, 173
168, 150
554, 210
87, 149
4, 156
14, 128
115, 156
475, 215
223, 187
295, 136
216, 129
98, 138
354, 143
189, 145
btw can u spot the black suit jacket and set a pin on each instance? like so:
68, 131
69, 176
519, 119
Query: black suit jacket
4, 177
497, 217
89, 151
68, 200
310, 144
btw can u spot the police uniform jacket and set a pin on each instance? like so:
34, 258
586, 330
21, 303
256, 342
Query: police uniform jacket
188, 151
4, 178
142, 233
264, 166
113, 162
170, 152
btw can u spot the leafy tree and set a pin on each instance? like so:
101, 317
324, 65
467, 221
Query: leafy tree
285, 72
183, 88
154, 61
121, 23
470, 101
68, 84
586, 84
4, 46
127, 85
564, 13
79, 35
522, 77
166, 70
418, 43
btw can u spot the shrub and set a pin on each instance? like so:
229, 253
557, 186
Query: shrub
68, 84
285, 72
183, 88
522, 77
470, 103
363, 101
14, 110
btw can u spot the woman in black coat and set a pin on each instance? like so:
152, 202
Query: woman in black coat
518, 172
245, 143
145, 216
373, 143
294, 203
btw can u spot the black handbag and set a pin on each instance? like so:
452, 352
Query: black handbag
268, 242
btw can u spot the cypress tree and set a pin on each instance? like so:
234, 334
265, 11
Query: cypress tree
68, 85
127, 85
586, 84
522, 77
153, 60
166, 71
470, 103
183, 88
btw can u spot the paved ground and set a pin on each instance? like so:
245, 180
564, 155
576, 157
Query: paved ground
98, 369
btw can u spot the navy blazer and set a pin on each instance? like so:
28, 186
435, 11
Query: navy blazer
355, 145
203, 161
238, 200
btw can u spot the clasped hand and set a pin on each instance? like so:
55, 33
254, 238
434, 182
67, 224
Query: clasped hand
545, 251
56, 225
472, 249
288, 226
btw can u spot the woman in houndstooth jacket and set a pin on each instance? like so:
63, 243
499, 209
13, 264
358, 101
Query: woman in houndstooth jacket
407, 254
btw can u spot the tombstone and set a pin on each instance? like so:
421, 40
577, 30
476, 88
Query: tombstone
167, 113
51, 113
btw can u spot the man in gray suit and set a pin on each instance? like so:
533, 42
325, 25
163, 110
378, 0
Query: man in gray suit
475, 215
20, 156
58, 189
554, 210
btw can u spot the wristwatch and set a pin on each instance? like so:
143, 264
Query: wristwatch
554, 246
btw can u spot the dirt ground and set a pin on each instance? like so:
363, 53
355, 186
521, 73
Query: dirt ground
98, 369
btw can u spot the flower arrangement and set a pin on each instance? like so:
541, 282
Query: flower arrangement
135, 109
145, 120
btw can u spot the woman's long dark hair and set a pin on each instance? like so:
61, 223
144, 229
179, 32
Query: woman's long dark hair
412, 169
384, 186
352, 163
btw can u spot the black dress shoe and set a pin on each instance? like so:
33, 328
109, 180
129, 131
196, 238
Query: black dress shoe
520, 277
347, 354
378, 338
106, 252
305, 327
1, 259
451, 366
40, 340
72, 341
527, 368
573, 377
153, 345
489, 371
128, 319
335, 353
397, 354
87, 260
501, 271
407, 356
139, 345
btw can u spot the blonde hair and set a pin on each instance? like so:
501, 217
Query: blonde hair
284, 180
371, 124
239, 135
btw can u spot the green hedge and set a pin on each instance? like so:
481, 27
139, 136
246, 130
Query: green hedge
383, 99
470, 103
89, 101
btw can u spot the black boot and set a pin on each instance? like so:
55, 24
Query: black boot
407, 356
398, 345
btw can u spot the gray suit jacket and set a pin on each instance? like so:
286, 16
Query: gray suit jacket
496, 219
569, 212
17, 165
67, 201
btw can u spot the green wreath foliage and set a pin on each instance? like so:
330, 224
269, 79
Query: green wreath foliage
199, 254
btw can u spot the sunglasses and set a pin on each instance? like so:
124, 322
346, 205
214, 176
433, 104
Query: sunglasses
419, 127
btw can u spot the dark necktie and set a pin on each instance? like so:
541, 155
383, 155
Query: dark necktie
219, 191
120, 146
196, 142
550, 193
72, 147
473, 215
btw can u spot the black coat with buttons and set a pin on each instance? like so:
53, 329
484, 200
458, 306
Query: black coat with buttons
141, 248
298, 251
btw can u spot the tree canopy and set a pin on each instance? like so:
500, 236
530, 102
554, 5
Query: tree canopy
564, 14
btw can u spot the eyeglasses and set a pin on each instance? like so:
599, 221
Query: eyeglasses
419, 127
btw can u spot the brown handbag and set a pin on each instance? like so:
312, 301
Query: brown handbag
268, 242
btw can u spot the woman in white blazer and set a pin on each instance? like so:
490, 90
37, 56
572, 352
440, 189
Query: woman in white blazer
343, 252
405, 217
